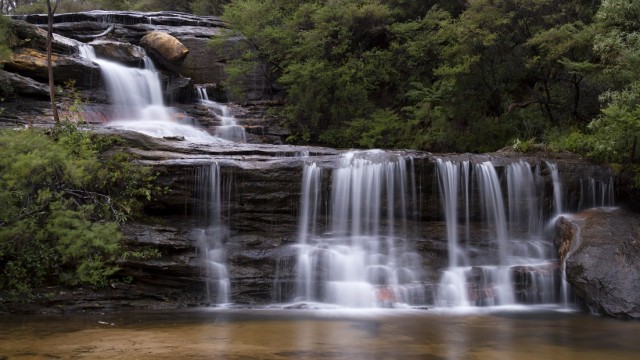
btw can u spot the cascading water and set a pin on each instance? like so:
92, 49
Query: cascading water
514, 261
482, 273
557, 189
491, 279
212, 232
360, 256
228, 128
363, 258
137, 100
592, 193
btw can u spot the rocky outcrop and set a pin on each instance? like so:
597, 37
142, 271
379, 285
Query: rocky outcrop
23, 85
601, 248
164, 49
33, 64
25, 35
262, 204
29, 59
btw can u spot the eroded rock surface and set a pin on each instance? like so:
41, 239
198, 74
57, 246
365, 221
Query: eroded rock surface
602, 251
164, 48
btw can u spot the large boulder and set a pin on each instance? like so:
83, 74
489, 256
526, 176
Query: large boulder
601, 248
164, 49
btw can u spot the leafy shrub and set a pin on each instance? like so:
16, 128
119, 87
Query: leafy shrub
64, 194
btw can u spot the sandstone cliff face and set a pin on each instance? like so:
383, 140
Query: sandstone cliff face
601, 248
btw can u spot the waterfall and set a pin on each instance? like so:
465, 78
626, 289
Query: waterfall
557, 189
362, 258
449, 177
309, 206
212, 232
512, 262
228, 128
596, 193
137, 100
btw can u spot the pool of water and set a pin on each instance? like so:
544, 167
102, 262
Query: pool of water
509, 333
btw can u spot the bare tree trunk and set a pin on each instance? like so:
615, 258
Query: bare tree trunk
52, 89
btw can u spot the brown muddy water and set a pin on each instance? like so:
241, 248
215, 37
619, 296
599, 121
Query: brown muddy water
320, 334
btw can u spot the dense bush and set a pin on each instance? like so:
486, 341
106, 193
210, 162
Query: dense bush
64, 193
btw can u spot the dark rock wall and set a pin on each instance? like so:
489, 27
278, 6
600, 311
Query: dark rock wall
602, 253
261, 206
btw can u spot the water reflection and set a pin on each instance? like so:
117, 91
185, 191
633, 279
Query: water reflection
320, 334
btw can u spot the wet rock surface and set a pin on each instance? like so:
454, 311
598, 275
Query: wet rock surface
262, 210
603, 263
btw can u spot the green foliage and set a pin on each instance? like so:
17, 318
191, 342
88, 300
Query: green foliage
524, 146
383, 129
329, 57
31, 7
4, 47
612, 136
64, 194
451, 73
5, 53
207, 7
616, 131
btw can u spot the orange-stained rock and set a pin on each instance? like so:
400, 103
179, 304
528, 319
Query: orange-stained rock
164, 48
32, 63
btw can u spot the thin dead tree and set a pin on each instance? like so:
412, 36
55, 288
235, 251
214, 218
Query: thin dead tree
51, 9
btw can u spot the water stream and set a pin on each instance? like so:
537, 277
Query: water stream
212, 231
362, 256
137, 101
228, 128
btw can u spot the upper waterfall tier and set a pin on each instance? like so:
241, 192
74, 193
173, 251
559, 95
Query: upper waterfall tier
137, 101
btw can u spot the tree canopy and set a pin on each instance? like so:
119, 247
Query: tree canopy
437, 75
